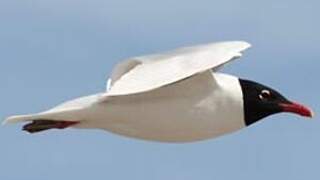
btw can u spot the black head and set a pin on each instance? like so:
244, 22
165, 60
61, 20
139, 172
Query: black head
261, 101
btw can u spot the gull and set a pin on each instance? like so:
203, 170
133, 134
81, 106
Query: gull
176, 96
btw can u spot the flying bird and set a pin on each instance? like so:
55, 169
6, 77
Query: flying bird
176, 96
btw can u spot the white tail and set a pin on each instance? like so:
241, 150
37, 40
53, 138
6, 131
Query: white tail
21, 118
67, 111
63, 115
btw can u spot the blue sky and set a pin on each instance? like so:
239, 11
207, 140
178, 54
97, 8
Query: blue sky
56, 50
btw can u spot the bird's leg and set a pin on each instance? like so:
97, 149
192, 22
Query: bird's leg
42, 125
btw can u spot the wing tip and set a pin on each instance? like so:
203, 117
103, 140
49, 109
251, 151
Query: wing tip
236, 45
244, 44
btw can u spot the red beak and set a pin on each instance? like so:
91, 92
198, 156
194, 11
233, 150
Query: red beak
297, 109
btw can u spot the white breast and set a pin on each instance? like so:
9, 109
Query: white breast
201, 107
172, 97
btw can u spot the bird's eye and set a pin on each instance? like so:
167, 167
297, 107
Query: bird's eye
265, 94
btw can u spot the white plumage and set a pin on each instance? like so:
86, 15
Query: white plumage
174, 97
149, 72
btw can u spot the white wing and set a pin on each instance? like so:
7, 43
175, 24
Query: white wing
121, 69
146, 73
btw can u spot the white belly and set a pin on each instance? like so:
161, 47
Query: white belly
191, 110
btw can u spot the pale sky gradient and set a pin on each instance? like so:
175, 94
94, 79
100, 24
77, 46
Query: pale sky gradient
56, 50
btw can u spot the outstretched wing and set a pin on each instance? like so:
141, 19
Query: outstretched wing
146, 73
121, 69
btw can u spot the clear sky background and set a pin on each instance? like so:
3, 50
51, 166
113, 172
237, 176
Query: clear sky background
56, 50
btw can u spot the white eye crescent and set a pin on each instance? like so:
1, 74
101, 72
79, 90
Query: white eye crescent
265, 94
